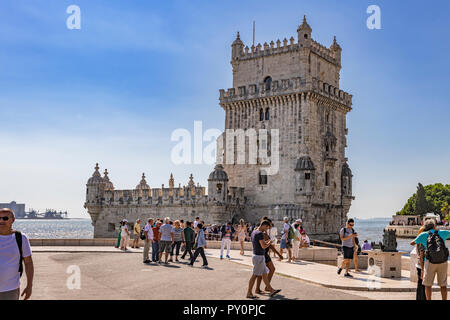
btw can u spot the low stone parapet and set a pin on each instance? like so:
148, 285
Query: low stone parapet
318, 254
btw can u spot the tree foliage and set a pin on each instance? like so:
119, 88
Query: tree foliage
437, 198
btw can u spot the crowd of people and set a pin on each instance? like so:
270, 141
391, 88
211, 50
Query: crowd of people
226, 233
171, 241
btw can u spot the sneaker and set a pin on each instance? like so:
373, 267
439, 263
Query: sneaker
339, 271
205, 266
190, 265
348, 275
221, 257
228, 257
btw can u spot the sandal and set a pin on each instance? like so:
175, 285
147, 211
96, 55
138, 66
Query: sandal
274, 292
258, 292
252, 297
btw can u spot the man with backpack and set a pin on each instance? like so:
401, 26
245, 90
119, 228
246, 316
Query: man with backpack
14, 251
286, 239
347, 236
436, 257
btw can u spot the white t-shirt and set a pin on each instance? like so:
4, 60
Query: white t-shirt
149, 230
9, 261
285, 231
195, 223
124, 232
166, 230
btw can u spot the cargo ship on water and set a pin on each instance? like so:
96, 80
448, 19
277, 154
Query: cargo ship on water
20, 213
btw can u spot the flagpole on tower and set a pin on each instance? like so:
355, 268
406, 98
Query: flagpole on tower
253, 33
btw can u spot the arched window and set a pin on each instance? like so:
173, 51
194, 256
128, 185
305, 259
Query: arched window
262, 177
261, 114
267, 114
219, 188
268, 83
327, 178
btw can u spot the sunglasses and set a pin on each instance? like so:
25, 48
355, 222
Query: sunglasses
351, 224
5, 218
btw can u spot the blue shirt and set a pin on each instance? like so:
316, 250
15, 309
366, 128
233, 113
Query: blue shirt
201, 241
422, 238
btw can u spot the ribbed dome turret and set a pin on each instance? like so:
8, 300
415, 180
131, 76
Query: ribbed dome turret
218, 174
96, 177
143, 184
304, 163
346, 172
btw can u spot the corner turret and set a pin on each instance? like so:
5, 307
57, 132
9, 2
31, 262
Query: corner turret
237, 48
304, 33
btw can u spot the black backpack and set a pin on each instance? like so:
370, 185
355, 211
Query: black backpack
436, 251
18, 235
142, 234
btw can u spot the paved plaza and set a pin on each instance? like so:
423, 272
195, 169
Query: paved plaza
107, 273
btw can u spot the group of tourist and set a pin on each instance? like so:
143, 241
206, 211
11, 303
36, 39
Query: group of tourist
167, 237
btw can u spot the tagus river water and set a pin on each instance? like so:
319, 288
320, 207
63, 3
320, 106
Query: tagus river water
370, 229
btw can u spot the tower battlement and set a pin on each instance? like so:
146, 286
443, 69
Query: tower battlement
285, 46
284, 87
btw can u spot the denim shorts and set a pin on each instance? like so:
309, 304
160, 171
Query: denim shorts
284, 245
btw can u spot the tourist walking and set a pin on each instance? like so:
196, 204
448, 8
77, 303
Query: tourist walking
125, 236
15, 252
259, 265
148, 233
436, 257
156, 240
178, 236
167, 240
285, 242
241, 234
269, 264
296, 241
136, 234
189, 238
227, 232
200, 244
347, 235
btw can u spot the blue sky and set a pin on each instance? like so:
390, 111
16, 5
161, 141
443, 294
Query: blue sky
114, 91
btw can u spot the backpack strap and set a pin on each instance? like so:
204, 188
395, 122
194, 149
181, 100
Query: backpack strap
18, 235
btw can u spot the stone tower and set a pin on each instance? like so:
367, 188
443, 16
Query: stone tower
288, 92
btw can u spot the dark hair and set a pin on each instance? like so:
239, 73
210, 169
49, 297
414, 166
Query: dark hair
199, 225
264, 218
197, 218
181, 220
188, 223
296, 226
265, 223
350, 220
